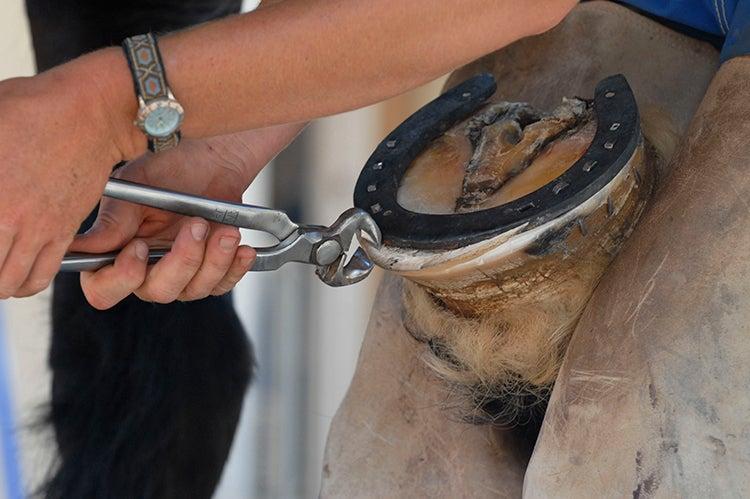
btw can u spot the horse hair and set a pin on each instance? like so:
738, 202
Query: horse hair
145, 398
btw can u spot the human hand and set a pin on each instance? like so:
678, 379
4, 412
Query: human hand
205, 258
58, 143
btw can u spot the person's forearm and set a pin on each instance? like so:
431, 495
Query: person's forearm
254, 149
303, 59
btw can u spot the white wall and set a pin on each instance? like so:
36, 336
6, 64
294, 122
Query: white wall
307, 335
15, 44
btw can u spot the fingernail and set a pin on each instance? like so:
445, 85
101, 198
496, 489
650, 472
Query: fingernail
141, 250
228, 243
199, 231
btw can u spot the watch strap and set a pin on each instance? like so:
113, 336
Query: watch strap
156, 144
150, 79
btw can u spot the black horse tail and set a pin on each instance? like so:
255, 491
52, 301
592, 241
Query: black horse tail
145, 398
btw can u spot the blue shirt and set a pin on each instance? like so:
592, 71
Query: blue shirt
723, 18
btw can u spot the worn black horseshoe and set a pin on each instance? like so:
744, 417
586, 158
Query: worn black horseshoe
617, 136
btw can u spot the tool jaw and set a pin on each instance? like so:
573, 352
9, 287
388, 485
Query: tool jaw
327, 248
345, 270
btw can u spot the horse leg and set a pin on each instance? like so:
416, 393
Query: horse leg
391, 436
652, 396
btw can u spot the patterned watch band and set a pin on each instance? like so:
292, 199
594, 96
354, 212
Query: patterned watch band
150, 80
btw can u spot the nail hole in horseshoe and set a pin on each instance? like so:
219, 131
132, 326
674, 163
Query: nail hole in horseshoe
525, 207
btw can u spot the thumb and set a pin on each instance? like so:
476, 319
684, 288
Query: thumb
116, 224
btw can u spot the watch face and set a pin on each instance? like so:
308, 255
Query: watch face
162, 120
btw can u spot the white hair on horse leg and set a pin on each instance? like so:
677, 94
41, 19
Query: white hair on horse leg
512, 355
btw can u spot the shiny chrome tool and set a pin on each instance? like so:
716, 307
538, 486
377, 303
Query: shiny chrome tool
325, 247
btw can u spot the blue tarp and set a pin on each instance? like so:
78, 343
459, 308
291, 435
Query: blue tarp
11, 474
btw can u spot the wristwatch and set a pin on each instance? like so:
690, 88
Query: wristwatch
159, 114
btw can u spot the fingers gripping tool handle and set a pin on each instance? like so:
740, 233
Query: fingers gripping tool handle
325, 247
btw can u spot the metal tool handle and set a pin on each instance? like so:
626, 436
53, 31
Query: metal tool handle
79, 262
274, 222
297, 250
